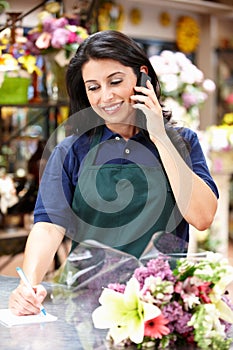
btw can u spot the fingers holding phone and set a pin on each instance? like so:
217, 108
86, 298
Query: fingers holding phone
146, 100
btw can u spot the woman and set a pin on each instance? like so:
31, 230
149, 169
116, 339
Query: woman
126, 172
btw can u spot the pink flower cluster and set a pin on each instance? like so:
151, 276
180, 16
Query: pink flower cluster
56, 33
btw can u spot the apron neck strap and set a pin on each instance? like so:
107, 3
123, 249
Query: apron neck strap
95, 141
96, 137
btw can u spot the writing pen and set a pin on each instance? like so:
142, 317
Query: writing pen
28, 285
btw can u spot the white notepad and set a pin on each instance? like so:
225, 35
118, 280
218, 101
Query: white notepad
8, 319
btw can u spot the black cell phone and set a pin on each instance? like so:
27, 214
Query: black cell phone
143, 77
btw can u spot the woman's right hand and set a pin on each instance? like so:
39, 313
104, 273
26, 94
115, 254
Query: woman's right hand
23, 302
152, 109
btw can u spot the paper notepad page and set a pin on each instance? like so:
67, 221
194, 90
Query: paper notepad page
8, 319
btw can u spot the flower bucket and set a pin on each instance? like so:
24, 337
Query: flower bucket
14, 90
55, 78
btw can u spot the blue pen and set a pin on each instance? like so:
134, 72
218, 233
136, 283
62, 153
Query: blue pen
28, 285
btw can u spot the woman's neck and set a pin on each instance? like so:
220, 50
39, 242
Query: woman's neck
126, 131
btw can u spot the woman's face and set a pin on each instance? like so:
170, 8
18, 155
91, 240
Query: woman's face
109, 85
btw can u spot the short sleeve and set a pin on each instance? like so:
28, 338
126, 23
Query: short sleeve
57, 187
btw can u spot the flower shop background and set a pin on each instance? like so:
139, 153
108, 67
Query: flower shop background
160, 26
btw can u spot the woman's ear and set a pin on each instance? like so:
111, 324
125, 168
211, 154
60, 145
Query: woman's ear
144, 69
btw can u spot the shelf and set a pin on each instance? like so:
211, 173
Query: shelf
225, 51
37, 104
198, 6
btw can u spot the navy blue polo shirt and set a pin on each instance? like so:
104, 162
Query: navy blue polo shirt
62, 170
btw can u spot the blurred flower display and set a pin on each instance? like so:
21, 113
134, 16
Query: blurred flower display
229, 100
56, 39
219, 145
17, 65
47, 47
220, 137
184, 87
16, 59
61, 35
21, 65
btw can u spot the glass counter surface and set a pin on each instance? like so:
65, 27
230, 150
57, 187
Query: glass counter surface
73, 329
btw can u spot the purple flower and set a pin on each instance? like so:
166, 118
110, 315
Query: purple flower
60, 38
51, 24
158, 267
141, 274
61, 22
189, 99
117, 287
227, 300
172, 311
178, 318
181, 326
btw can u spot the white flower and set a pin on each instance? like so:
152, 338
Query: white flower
170, 82
209, 85
178, 75
124, 314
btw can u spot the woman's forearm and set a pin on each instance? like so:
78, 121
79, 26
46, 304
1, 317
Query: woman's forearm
42, 244
195, 199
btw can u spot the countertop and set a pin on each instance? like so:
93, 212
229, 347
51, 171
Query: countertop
72, 331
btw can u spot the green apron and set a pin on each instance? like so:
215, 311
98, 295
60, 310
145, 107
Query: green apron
123, 205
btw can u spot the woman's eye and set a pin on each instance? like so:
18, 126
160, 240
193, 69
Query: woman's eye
92, 87
116, 81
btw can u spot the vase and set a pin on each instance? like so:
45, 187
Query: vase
55, 79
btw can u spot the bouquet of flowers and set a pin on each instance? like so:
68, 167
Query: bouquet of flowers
56, 34
184, 88
159, 307
15, 58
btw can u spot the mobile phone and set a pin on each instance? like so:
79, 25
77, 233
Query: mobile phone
143, 77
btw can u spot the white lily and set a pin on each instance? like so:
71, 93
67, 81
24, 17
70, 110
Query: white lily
124, 314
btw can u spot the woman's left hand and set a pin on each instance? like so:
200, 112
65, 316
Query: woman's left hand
150, 106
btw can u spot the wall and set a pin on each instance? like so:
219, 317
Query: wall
23, 6
149, 27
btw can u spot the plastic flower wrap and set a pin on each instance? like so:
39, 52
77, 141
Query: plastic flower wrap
160, 307
184, 88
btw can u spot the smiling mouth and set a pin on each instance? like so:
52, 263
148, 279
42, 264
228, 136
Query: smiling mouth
112, 108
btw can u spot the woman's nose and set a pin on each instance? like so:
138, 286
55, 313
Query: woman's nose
107, 94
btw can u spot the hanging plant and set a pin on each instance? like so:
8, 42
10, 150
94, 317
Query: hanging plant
187, 34
4, 5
